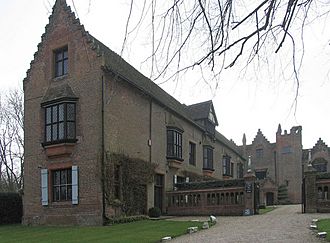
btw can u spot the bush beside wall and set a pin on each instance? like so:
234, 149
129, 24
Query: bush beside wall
11, 208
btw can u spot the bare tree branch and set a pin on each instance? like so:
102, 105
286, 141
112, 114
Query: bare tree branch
217, 34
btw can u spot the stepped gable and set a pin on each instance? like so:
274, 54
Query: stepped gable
260, 137
320, 146
73, 21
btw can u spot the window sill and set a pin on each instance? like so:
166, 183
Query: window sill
226, 177
59, 150
61, 204
59, 78
174, 162
208, 171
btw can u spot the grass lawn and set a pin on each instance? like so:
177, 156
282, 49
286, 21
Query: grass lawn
324, 225
141, 231
266, 210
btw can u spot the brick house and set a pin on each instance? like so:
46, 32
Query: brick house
277, 164
283, 163
83, 103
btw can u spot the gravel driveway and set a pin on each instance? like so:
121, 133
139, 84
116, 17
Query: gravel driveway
284, 224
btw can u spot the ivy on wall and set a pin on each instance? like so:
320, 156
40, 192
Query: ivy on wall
134, 175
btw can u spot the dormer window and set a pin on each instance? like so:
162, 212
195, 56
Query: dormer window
61, 62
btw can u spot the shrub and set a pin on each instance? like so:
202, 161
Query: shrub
11, 208
262, 206
123, 220
154, 212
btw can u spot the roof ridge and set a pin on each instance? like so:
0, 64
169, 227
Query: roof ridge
200, 103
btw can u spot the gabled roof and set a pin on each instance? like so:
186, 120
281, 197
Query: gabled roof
202, 111
71, 18
320, 146
119, 67
260, 137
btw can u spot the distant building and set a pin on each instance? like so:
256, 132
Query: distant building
282, 163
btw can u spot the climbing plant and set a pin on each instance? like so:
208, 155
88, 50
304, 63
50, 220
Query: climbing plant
132, 178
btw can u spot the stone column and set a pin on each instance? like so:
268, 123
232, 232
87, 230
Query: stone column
249, 192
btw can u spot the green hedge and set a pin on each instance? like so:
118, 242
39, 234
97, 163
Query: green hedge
11, 208
210, 184
123, 220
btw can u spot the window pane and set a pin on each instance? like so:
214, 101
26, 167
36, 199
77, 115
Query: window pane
54, 118
71, 130
61, 131
58, 69
57, 177
54, 138
63, 193
69, 192
170, 137
70, 112
64, 177
65, 54
65, 66
61, 112
56, 194
58, 56
48, 115
69, 176
48, 133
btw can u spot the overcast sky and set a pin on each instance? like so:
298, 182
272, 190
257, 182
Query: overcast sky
243, 102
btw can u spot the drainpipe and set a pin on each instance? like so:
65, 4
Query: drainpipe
102, 155
150, 129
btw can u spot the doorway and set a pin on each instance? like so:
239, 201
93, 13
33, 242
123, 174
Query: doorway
158, 191
269, 198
